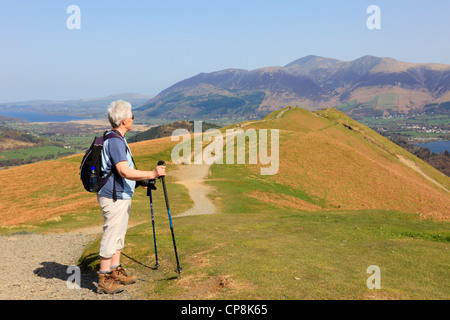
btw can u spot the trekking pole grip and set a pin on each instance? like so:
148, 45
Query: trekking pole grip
161, 163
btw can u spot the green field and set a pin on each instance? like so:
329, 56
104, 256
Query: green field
436, 125
37, 153
385, 101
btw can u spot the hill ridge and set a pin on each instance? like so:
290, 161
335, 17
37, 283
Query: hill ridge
367, 159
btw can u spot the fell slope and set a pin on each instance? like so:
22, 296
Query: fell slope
47, 190
344, 165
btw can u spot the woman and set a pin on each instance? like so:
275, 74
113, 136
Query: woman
115, 197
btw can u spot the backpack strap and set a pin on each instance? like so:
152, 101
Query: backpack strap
126, 148
115, 134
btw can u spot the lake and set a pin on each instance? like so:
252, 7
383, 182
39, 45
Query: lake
436, 146
39, 117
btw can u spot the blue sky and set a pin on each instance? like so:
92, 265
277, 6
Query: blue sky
146, 46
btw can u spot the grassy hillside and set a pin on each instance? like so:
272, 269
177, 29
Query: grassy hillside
341, 201
342, 164
52, 190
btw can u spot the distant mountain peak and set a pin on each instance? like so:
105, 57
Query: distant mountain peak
312, 61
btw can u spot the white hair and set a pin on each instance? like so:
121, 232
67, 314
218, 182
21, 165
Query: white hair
117, 111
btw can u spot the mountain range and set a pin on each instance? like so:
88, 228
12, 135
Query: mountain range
91, 107
369, 85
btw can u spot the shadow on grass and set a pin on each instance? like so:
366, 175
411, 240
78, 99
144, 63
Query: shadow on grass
154, 267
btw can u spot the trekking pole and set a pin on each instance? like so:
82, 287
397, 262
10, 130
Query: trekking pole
179, 269
149, 193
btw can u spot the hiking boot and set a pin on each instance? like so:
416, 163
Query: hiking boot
107, 284
119, 274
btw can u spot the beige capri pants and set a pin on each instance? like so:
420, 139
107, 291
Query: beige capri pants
115, 223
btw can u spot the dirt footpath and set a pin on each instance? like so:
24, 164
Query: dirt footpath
192, 177
416, 168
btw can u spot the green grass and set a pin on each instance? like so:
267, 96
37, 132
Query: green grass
286, 255
80, 142
271, 253
386, 101
37, 152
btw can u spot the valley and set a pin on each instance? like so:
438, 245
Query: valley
29, 142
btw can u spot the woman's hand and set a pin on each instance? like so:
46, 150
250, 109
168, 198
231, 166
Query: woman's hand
160, 171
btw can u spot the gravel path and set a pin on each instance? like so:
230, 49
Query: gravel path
36, 267
192, 177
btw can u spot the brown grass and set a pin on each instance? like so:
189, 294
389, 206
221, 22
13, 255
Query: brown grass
350, 170
198, 287
282, 200
10, 144
152, 146
41, 191
45, 190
